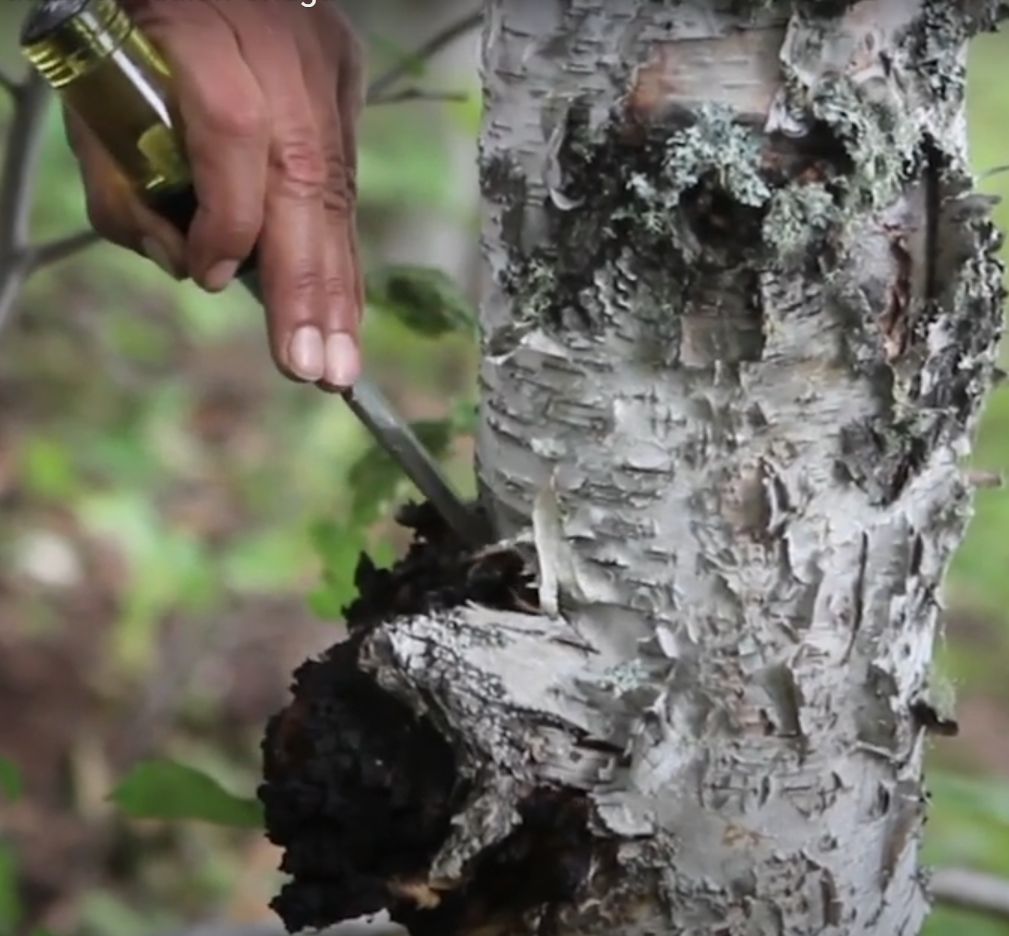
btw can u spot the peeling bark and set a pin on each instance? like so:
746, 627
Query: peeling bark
739, 313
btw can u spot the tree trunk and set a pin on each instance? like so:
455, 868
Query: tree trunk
739, 311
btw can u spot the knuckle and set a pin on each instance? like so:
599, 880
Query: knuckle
337, 202
340, 193
238, 119
335, 287
300, 163
308, 282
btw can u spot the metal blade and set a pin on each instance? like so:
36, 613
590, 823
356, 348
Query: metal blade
377, 415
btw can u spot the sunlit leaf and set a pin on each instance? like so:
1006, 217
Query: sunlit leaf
425, 299
164, 789
10, 780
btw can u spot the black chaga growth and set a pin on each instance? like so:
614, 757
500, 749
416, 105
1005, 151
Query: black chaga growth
357, 789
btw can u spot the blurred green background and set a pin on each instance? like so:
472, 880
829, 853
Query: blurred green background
166, 500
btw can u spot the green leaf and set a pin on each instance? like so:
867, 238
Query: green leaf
10, 780
425, 299
334, 543
10, 903
338, 546
164, 789
374, 477
328, 601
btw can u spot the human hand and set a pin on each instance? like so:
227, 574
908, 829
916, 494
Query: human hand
269, 94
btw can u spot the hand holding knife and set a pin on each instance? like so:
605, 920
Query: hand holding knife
111, 77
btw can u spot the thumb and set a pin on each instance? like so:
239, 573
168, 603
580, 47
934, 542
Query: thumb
113, 208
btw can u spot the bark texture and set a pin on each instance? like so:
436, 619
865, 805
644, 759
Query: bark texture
740, 309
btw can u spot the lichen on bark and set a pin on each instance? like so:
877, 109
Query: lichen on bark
740, 309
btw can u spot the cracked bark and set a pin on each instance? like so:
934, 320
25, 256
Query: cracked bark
739, 311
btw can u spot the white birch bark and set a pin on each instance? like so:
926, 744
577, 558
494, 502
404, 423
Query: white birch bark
745, 412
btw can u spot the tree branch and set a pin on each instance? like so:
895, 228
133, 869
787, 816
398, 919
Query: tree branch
23, 140
966, 889
417, 94
379, 88
59, 249
18, 257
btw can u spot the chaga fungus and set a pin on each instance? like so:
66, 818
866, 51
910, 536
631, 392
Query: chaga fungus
359, 791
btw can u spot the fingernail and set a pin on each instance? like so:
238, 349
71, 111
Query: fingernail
343, 360
159, 255
306, 353
219, 275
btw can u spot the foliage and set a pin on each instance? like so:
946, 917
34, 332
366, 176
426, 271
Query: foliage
424, 299
163, 789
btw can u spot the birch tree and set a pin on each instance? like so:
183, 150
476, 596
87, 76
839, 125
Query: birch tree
739, 310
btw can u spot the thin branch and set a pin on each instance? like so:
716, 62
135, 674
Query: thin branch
18, 257
383, 83
12, 279
17, 175
59, 249
24, 138
971, 890
418, 94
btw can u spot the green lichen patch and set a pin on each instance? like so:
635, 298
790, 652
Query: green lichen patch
669, 209
797, 215
868, 122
